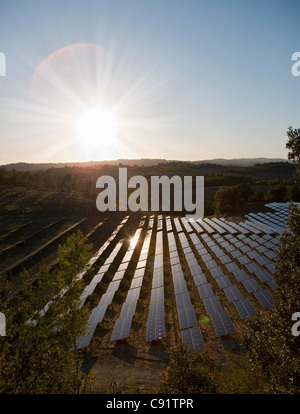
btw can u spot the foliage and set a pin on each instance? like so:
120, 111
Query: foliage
133, 388
278, 193
239, 376
226, 199
186, 373
35, 355
293, 145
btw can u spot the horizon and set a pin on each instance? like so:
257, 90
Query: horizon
103, 80
225, 161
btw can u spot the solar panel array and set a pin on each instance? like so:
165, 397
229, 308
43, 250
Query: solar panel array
185, 310
156, 318
206, 293
92, 261
123, 323
106, 299
236, 258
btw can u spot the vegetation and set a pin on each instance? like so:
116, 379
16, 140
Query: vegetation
186, 373
35, 354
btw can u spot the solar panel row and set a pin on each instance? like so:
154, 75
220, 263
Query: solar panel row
185, 310
123, 324
155, 327
106, 299
193, 337
222, 323
156, 320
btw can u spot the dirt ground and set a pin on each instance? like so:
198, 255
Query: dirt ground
117, 365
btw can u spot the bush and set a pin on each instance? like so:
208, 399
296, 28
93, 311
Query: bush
186, 373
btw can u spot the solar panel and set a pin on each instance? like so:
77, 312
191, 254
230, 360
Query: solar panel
244, 308
139, 272
179, 284
272, 284
197, 227
271, 267
243, 260
177, 224
229, 248
262, 274
232, 293
253, 254
186, 225
262, 260
264, 297
155, 327
98, 277
212, 304
193, 337
223, 282
225, 225
251, 285
137, 282
187, 317
195, 270
205, 291
246, 249
206, 227
217, 272
225, 259
123, 323
222, 323
211, 264
215, 225
183, 300
199, 279
174, 260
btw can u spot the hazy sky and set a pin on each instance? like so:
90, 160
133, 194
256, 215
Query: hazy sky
187, 79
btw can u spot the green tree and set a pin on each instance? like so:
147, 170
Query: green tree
293, 145
225, 200
244, 191
278, 193
35, 355
186, 373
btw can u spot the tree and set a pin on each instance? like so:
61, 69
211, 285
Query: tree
244, 191
35, 355
186, 373
293, 145
278, 193
225, 200
269, 339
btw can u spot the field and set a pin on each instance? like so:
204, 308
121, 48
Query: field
183, 267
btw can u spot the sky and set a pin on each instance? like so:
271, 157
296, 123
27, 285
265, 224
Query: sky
184, 79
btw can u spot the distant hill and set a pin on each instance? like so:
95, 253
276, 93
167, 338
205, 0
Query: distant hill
245, 162
24, 166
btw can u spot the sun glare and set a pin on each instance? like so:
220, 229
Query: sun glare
96, 126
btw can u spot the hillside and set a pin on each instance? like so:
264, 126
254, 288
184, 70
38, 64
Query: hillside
24, 166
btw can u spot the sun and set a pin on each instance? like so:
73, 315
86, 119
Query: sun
96, 126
